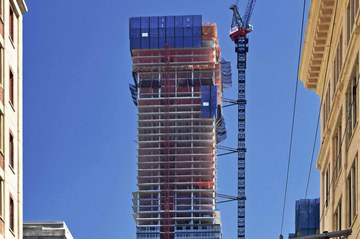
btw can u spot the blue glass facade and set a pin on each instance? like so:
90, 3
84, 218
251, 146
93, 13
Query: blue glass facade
307, 217
156, 32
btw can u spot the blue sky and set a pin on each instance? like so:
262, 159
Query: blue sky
80, 122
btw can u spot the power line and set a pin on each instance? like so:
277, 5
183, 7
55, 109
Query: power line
293, 115
319, 113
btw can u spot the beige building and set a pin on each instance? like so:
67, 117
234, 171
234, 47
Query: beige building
11, 114
330, 66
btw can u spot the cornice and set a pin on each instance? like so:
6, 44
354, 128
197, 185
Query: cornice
315, 43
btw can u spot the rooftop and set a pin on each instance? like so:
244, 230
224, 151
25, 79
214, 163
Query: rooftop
53, 230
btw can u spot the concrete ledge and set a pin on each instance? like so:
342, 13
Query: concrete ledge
46, 230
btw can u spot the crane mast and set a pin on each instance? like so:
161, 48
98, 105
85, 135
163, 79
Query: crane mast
241, 50
240, 27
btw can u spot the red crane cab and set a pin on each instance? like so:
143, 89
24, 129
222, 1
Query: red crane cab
236, 32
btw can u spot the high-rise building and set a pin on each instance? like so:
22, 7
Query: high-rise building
330, 67
46, 230
306, 217
11, 118
178, 91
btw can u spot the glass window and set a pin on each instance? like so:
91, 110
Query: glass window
12, 214
11, 150
351, 193
1, 132
352, 103
2, 198
327, 185
338, 218
1, 64
1, 8
337, 143
11, 87
11, 23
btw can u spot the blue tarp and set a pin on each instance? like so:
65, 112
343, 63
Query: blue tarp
134, 93
221, 130
226, 76
208, 101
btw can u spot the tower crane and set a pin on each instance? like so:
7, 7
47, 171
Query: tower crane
240, 27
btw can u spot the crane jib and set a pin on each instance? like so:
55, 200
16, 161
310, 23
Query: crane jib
248, 12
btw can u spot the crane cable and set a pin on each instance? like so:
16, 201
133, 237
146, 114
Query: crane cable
293, 117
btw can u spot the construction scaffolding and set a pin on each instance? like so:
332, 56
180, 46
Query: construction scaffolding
178, 94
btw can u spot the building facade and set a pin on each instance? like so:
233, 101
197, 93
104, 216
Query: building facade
177, 89
46, 230
11, 116
330, 66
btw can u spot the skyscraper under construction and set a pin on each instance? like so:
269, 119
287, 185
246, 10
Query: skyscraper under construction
177, 90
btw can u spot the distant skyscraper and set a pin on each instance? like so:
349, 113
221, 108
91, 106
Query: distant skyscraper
307, 217
46, 230
178, 90
11, 118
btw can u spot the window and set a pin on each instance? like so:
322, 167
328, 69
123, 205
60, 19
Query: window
11, 87
327, 186
1, 132
348, 115
353, 9
326, 106
351, 12
351, 192
2, 198
355, 101
1, 8
337, 63
348, 21
11, 150
337, 218
337, 147
352, 102
12, 214
11, 23
1, 64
